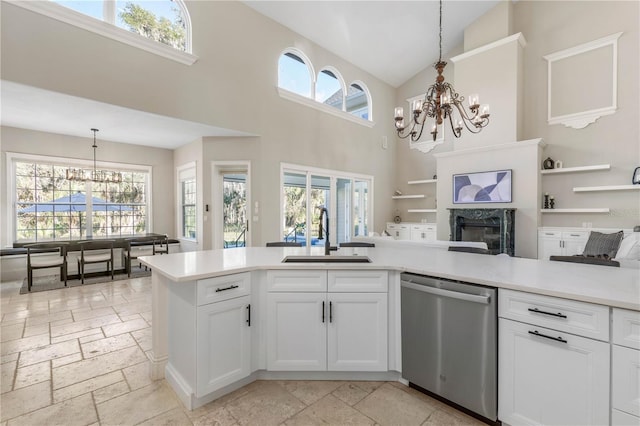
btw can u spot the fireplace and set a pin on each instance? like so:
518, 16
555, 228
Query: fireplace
496, 227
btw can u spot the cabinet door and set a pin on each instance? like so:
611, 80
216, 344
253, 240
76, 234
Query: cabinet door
574, 242
296, 331
223, 344
357, 334
625, 388
551, 382
549, 244
417, 233
404, 233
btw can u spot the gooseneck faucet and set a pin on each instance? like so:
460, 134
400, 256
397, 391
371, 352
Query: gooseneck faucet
324, 213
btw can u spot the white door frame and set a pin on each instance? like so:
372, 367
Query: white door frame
217, 170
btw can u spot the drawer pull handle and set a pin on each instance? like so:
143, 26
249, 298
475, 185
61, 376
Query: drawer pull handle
226, 288
330, 312
575, 235
538, 311
323, 312
557, 339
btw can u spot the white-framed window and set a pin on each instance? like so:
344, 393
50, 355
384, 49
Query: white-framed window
330, 88
295, 73
304, 191
187, 203
328, 92
162, 27
45, 205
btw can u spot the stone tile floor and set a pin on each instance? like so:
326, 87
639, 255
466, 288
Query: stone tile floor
78, 356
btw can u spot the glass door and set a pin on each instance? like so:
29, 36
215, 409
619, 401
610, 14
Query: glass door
320, 198
294, 198
234, 203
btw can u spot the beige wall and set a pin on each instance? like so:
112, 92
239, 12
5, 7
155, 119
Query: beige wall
550, 26
232, 85
49, 144
494, 25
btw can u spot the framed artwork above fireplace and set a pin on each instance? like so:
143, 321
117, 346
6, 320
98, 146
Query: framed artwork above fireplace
482, 187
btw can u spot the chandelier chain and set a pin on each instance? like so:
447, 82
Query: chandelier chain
440, 54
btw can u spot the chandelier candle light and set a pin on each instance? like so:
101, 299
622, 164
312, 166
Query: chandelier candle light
439, 103
94, 175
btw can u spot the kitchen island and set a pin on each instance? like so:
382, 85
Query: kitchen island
183, 282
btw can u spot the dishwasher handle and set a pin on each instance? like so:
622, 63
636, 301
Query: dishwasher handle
447, 293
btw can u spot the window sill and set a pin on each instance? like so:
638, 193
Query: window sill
79, 20
285, 94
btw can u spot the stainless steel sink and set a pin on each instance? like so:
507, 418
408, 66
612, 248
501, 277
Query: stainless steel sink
326, 259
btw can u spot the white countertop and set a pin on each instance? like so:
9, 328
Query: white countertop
616, 287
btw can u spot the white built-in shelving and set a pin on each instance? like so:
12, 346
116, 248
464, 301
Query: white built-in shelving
417, 182
596, 210
422, 211
404, 197
606, 188
576, 169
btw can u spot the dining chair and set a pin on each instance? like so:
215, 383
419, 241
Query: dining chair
142, 246
283, 244
161, 245
357, 244
98, 251
49, 255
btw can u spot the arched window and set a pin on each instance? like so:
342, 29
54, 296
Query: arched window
330, 88
165, 21
358, 101
295, 73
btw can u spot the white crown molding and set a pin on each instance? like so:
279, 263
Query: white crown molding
85, 22
515, 37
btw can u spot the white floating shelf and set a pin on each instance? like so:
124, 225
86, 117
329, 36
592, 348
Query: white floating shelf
603, 210
576, 169
416, 182
422, 211
606, 188
402, 197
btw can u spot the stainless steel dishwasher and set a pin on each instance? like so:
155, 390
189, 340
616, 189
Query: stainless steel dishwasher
449, 341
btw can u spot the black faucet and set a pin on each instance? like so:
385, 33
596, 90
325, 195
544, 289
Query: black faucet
324, 213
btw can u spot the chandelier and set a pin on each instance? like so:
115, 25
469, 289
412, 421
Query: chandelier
94, 175
439, 104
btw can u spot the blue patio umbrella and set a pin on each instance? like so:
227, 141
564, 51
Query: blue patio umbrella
74, 203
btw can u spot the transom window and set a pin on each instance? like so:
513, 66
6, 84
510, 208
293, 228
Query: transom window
48, 206
297, 82
165, 21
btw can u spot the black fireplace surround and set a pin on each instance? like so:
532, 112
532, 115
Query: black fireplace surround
496, 227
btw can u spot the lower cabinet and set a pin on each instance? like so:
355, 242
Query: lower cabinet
335, 331
223, 344
625, 373
548, 376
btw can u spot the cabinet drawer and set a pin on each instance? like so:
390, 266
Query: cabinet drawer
345, 281
293, 280
223, 288
575, 235
626, 328
625, 383
580, 318
549, 234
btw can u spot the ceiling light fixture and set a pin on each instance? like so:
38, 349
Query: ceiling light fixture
94, 175
439, 103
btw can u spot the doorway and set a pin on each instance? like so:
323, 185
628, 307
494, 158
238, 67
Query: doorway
231, 201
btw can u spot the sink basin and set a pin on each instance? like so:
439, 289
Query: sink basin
326, 259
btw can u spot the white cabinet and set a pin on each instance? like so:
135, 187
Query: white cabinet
549, 376
423, 232
339, 330
399, 231
210, 333
625, 373
560, 243
223, 343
